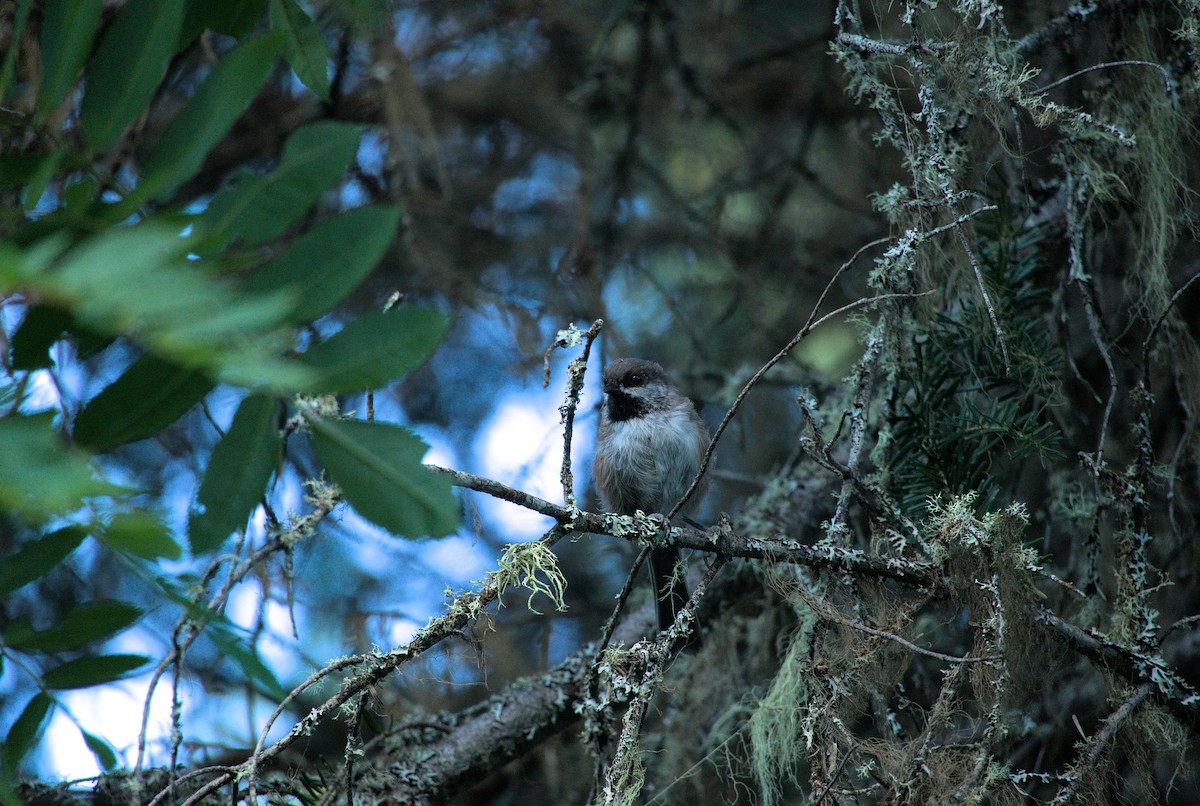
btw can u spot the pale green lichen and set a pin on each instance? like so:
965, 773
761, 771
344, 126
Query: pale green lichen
640, 527
570, 336
534, 567
783, 725
319, 405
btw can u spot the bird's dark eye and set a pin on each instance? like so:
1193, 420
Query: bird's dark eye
635, 379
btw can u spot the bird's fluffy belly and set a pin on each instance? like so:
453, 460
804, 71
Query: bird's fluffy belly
650, 462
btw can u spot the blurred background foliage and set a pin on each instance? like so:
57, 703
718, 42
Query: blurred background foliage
216, 215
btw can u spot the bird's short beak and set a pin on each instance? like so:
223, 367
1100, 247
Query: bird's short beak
610, 390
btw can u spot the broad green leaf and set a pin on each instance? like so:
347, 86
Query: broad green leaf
205, 339
237, 474
208, 116
253, 371
39, 330
40, 474
18, 169
92, 671
128, 67
31, 194
121, 255
16, 29
68, 27
106, 757
233, 17
79, 194
329, 261
181, 311
303, 45
83, 624
38, 557
24, 732
17, 265
148, 397
378, 468
13, 266
256, 209
142, 535
375, 349
42, 327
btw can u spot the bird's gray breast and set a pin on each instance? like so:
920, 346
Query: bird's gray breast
649, 461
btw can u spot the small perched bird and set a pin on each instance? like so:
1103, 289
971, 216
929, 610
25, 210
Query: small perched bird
649, 448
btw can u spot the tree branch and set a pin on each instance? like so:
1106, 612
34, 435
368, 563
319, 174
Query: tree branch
719, 539
1169, 689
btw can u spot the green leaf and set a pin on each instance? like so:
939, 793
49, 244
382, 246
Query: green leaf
181, 312
19, 169
208, 116
106, 757
91, 269
92, 671
378, 467
148, 397
31, 194
39, 474
79, 193
256, 209
233, 17
24, 732
142, 535
83, 624
42, 327
232, 643
39, 330
128, 67
37, 558
68, 27
375, 349
237, 474
35, 255
329, 261
303, 45
17, 23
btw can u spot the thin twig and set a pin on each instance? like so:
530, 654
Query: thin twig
381, 665
611, 625
893, 48
190, 628
864, 383
987, 299
1186, 621
656, 655
842, 270
165, 796
575, 377
1166, 77
851, 749
1096, 745
1171, 690
1079, 277
590, 680
828, 614
353, 737
1149, 342
779, 356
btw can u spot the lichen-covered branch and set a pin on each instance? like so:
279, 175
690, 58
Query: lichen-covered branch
719, 539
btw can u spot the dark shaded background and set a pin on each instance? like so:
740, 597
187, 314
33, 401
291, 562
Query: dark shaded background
694, 174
